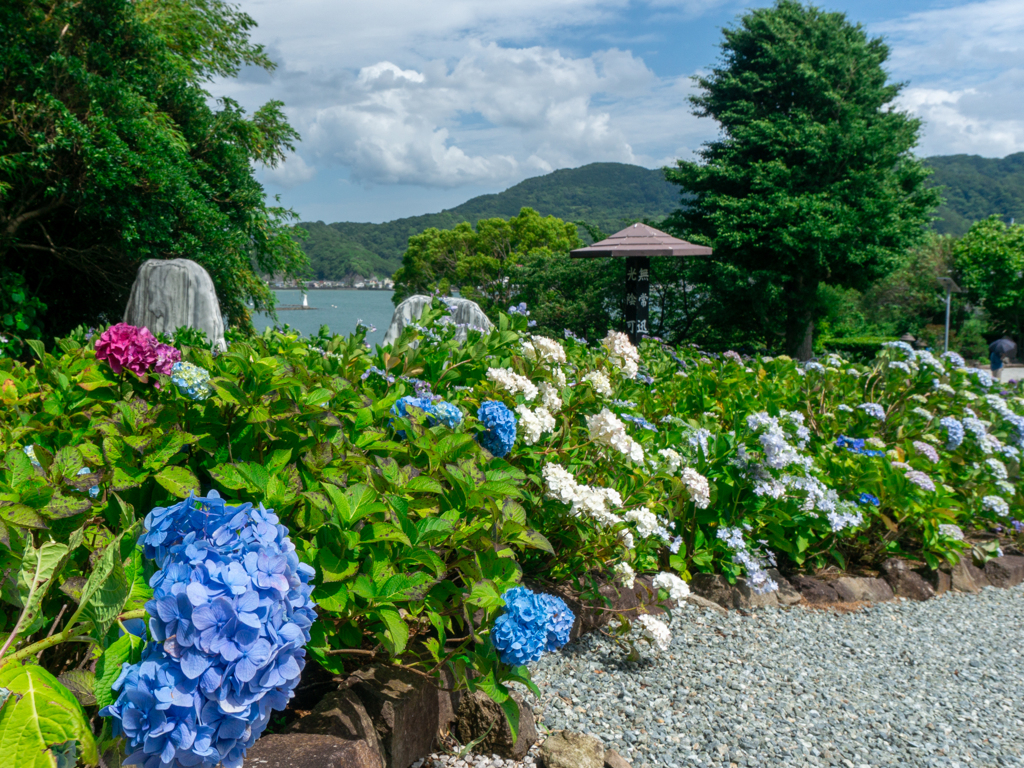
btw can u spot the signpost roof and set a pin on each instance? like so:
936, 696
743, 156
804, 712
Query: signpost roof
640, 240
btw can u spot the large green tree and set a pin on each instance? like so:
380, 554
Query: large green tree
111, 153
813, 179
990, 263
476, 262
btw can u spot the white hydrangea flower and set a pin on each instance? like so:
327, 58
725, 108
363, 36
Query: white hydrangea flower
549, 397
599, 381
558, 376
535, 423
672, 459
996, 504
952, 531
626, 537
545, 350
625, 575
560, 483
512, 382
698, 487
677, 588
998, 469
654, 631
645, 521
622, 353
607, 429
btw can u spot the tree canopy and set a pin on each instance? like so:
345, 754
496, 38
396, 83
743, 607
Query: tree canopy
813, 179
110, 154
475, 262
990, 264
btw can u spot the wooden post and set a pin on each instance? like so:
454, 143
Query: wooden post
638, 296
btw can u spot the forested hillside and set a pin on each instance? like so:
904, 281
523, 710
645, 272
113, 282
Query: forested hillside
612, 194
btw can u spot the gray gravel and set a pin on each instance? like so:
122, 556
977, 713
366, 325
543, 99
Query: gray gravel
939, 683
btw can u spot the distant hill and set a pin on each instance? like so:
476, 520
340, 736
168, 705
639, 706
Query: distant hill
612, 194
606, 194
977, 187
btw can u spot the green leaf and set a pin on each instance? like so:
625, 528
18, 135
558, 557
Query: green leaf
125, 650
39, 566
106, 590
82, 684
396, 632
22, 516
535, 539
61, 506
140, 592
178, 480
331, 597
425, 484
40, 714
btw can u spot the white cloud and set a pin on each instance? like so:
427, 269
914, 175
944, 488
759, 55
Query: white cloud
291, 173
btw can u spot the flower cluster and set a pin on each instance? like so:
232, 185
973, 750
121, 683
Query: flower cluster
676, 588
607, 429
191, 380
874, 410
926, 450
549, 397
440, 412
599, 381
625, 575
640, 421
530, 625
535, 423
124, 346
501, 427
544, 350
996, 505
513, 383
954, 432
697, 485
586, 500
952, 531
519, 309
855, 445
622, 353
654, 631
921, 480
757, 577
867, 498
230, 615
997, 468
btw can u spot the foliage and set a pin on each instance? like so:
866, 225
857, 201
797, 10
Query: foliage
861, 349
622, 462
112, 155
990, 261
476, 263
20, 313
975, 188
814, 179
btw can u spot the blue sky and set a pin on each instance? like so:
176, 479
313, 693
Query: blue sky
408, 107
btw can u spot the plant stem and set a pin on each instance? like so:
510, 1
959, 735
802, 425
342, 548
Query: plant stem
71, 633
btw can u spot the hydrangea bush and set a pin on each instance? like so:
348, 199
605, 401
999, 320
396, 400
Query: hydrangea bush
421, 483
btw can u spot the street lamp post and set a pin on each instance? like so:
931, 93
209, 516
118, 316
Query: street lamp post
951, 287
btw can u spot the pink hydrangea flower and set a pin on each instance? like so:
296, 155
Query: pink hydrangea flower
166, 357
125, 346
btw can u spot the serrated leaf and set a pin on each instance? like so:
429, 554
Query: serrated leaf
139, 592
432, 528
125, 650
22, 516
106, 590
396, 633
40, 714
536, 540
335, 568
331, 597
39, 566
424, 484
178, 481
61, 506
82, 684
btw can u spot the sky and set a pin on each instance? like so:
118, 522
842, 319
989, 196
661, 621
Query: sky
408, 107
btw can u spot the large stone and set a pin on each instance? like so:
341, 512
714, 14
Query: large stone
787, 594
967, 577
905, 581
716, 587
310, 750
1006, 571
814, 591
340, 714
171, 293
466, 314
479, 716
703, 602
613, 759
940, 580
566, 749
856, 589
407, 711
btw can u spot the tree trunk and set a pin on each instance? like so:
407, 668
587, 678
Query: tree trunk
800, 320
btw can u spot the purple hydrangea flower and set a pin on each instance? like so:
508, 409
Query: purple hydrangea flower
229, 617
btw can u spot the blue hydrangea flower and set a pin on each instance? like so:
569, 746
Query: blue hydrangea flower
640, 421
229, 617
954, 432
448, 414
867, 498
402, 404
855, 445
530, 625
501, 427
191, 380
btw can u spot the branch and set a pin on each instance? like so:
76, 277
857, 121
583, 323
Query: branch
71, 634
16, 222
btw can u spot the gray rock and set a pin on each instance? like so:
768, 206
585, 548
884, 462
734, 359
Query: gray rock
1007, 571
967, 577
463, 311
905, 581
171, 293
815, 591
613, 759
407, 712
567, 749
703, 602
479, 716
787, 594
715, 587
310, 750
340, 714
853, 589
941, 580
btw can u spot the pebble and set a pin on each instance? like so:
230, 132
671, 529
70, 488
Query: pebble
931, 685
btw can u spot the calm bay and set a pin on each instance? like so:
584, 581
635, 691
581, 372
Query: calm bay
339, 310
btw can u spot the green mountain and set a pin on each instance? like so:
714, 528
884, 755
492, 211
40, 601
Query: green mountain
975, 187
612, 194
609, 195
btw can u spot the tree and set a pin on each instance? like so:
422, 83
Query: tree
476, 263
990, 260
110, 154
813, 179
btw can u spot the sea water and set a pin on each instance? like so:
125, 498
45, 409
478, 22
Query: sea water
339, 310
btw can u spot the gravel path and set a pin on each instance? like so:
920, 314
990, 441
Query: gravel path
939, 683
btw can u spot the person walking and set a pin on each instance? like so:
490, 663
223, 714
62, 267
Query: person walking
1000, 351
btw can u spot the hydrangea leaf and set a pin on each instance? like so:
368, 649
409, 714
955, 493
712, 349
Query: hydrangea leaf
41, 715
135, 573
396, 633
82, 685
125, 649
178, 480
39, 565
106, 590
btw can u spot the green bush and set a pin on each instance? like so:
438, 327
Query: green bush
859, 348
